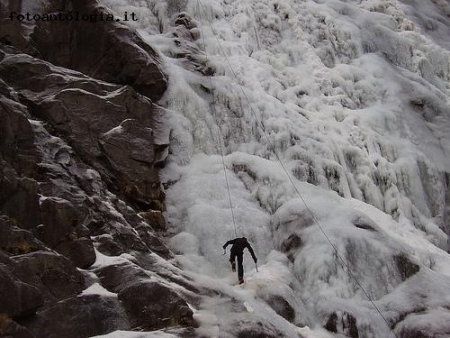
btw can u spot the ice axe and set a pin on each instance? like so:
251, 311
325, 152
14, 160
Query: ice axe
256, 264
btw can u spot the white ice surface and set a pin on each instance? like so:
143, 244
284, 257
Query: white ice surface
354, 100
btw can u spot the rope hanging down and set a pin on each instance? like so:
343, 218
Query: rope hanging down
272, 147
220, 138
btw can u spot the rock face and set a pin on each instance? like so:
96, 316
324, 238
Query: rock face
10, 328
248, 329
110, 52
117, 140
282, 307
16, 241
153, 306
149, 304
89, 315
78, 165
17, 299
342, 323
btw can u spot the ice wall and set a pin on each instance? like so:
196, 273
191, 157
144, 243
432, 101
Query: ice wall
353, 97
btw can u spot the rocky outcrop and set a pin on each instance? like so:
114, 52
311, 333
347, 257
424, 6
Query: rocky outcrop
18, 189
89, 315
16, 241
423, 323
63, 232
9, 328
117, 140
344, 323
149, 304
53, 274
111, 52
17, 299
152, 306
282, 307
155, 218
79, 161
405, 267
251, 329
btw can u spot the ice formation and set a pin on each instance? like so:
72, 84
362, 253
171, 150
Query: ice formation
353, 98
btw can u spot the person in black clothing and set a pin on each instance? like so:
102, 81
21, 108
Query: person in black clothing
237, 250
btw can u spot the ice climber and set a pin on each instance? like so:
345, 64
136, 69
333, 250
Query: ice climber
237, 250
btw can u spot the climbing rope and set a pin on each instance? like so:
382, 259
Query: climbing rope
272, 147
220, 137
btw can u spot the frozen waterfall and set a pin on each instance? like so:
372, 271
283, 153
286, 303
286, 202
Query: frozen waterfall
354, 98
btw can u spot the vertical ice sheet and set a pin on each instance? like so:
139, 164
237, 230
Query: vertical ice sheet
354, 99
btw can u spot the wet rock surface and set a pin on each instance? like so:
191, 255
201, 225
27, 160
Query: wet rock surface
51, 273
113, 140
89, 315
81, 142
153, 306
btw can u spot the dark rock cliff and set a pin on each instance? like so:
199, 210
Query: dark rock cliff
80, 147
